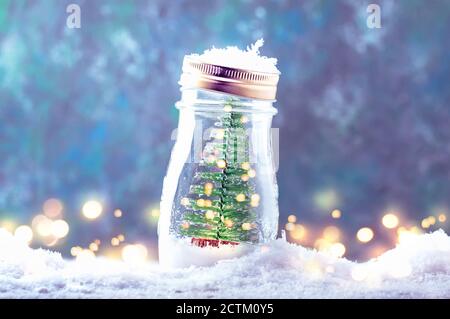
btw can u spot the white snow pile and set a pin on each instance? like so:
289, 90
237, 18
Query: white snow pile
233, 57
416, 268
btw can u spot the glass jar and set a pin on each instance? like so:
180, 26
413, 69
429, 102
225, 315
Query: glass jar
219, 196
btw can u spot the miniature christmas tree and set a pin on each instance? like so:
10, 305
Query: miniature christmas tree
221, 200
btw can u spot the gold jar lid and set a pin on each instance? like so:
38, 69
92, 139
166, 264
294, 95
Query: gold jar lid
245, 83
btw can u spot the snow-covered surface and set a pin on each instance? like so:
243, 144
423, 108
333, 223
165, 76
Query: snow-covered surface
419, 267
233, 57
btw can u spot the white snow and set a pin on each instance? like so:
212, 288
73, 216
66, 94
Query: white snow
419, 267
233, 57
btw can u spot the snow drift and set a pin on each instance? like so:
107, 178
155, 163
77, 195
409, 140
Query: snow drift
417, 268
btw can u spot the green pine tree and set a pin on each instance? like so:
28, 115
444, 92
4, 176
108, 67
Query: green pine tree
222, 200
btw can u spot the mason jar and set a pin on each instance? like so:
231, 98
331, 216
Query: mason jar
219, 197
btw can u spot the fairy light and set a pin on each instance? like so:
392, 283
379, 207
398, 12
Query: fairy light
92, 209
200, 202
93, 247
134, 254
364, 234
425, 223
208, 203
442, 218
292, 218
24, 234
185, 201
246, 226
245, 177
431, 220
251, 173
228, 223
210, 214
390, 220
336, 214
52, 208
245, 166
221, 163
59, 228
208, 188
185, 225
118, 213
74, 251
244, 119
121, 237
155, 213
227, 108
240, 197
254, 200
115, 241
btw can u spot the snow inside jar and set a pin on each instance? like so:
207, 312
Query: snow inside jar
219, 197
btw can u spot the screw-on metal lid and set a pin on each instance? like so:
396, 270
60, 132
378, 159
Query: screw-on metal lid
245, 83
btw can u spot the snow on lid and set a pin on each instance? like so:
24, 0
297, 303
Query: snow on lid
233, 57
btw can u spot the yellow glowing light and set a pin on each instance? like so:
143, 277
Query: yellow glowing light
134, 254
115, 241
292, 218
210, 214
408, 235
337, 249
228, 108
251, 173
255, 197
85, 255
97, 241
74, 251
208, 188
52, 207
244, 119
185, 225
390, 221
93, 247
24, 233
228, 223
442, 218
185, 201
246, 226
331, 233
200, 202
336, 213
208, 203
431, 220
245, 165
44, 226
118, 213
59, 228
245, 177
425, 223
299, 232
364, 235
121, 237
322, 244
92, 209
221, 163
240, 197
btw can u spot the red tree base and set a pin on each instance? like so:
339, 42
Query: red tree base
203, 242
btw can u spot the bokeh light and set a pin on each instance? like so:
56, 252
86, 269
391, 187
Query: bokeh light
92, 209
390, 220
364, 234
52, 208
24, 233
134, 254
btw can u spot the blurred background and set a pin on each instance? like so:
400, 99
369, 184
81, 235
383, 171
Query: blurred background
86, 117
